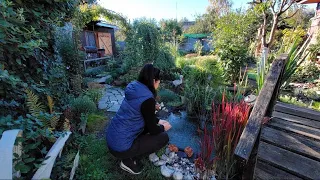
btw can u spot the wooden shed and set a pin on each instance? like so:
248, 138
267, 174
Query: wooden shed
98, 39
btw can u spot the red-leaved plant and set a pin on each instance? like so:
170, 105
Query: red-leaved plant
219, 142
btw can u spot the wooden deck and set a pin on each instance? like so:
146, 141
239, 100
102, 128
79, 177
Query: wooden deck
289, 146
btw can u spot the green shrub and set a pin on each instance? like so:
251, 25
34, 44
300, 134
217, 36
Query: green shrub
198, 47
182, 62
167, 95
201, 82
292, 100
164, 61
312, 93
306, 73
83, 104
94, 94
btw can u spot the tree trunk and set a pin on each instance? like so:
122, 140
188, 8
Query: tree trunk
273, 30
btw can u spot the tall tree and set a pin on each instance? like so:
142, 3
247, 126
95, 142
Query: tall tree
220, 7
277, 9
170, 30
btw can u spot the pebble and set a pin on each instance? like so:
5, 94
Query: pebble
172, 155
159, 163
167, 151
166, 172
177, 175
188, 177
153, 157
165, 157
213, 178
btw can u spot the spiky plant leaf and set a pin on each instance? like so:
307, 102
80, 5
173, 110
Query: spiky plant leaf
33, 104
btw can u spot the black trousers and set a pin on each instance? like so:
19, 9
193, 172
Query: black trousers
144, 145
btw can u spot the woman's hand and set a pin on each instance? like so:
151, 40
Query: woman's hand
165, 124
158, 107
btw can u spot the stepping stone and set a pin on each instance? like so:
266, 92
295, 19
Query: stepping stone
103, 79
114, 108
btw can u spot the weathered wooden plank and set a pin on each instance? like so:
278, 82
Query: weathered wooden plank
251, 131
296, 128
265, 171
292, 142
297, 111
294, 163
297, 119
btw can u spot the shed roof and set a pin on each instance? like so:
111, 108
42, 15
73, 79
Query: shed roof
307, 1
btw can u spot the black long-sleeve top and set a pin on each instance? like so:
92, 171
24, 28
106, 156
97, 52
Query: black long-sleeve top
148, 108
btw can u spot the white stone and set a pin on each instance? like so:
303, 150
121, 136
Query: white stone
213, 178
177, 175
165, 157
188, 177
167, 151
153, 157
172, 155
160, 163
166, 172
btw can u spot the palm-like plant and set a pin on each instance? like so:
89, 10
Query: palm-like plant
296, 56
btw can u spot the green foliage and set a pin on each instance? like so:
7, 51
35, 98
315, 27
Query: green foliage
170, 30
312, 93
96, 162
167, 95
165, 61
33, 104
201, 81
292, 100
315, 48
94, 94
296, 57
93, 12
83, 104
142, 43
35, 142
198, 47
232, 36
203, 23
95, 122
290, 36
307, 72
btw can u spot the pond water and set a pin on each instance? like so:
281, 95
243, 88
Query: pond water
183, 132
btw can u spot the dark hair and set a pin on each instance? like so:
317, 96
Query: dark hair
147, 74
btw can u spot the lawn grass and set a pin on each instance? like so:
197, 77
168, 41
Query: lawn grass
96, 162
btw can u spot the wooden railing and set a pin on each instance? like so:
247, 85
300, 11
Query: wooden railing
85, 62
247, 146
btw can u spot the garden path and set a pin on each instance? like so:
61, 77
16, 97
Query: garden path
112, 99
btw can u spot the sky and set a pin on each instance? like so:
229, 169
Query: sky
161, 9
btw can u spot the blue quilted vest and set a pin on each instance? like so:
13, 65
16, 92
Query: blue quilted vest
128, 122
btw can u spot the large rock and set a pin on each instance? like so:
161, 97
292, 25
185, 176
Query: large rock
153, 157
177, 175
166, 172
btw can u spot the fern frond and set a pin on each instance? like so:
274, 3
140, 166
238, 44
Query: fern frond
54, 121
50, 104
66, 125
33, 105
